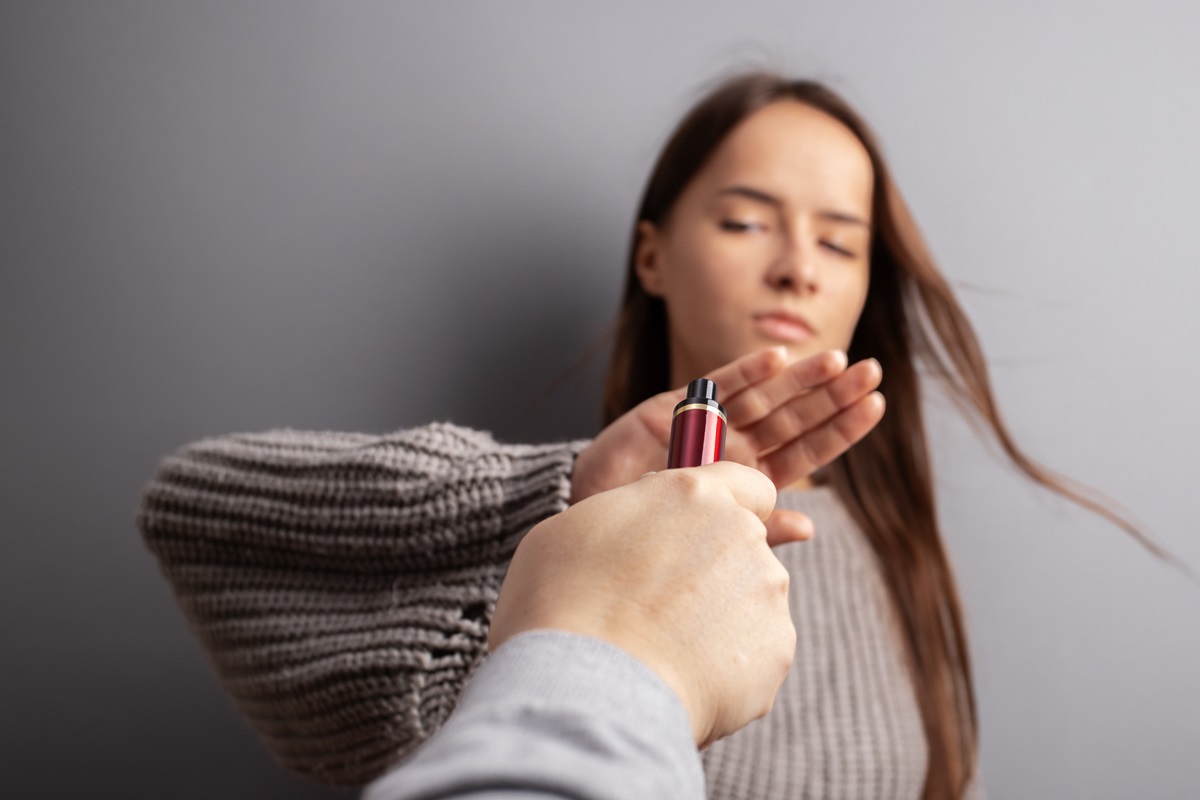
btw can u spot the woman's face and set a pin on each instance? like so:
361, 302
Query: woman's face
768, 244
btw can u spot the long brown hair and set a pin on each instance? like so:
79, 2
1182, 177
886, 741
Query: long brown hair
910, 318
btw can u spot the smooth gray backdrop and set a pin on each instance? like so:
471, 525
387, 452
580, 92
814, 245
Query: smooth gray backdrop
228, 216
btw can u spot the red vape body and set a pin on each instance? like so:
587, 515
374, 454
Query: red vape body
697, 427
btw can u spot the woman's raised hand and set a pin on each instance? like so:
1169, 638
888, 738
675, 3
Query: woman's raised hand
784, 420
803, 416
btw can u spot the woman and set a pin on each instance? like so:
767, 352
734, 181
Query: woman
342, 583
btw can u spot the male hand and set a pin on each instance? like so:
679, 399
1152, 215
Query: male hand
674, 568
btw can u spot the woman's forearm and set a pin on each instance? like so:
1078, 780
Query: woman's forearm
342, 583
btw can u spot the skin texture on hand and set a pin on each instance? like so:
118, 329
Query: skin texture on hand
785, 420
675, 568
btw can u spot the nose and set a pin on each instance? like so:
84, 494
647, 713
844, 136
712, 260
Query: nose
794, 270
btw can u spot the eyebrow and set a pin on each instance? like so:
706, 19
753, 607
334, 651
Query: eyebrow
770, 199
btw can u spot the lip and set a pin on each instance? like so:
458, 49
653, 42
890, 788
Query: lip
783, 326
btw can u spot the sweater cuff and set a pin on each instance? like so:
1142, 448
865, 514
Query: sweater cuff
538, 483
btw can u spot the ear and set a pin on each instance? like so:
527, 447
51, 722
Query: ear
646, 258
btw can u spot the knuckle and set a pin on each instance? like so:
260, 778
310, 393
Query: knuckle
768, 486
748, 525
751, 405
793, 419
839, 393
690, 487
785, 655
778, 582
806, 453
782, 579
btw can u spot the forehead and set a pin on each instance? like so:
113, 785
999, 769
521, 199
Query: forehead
797, 153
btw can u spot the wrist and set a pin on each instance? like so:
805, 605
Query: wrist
646, 650
682, 684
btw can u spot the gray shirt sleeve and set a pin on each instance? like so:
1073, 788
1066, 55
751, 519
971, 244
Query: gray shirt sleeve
556, 715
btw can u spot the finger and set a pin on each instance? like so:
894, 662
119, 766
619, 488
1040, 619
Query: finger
804, 455
785, 526
747, 371
750, 488
754, 401
730, 379
805, 413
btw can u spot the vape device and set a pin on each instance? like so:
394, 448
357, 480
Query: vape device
697, 427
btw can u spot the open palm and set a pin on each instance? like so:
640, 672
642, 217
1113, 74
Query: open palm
784, 420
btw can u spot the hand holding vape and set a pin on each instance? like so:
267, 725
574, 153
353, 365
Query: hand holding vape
697, 427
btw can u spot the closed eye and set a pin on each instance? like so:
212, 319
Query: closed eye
841, 251
736, 226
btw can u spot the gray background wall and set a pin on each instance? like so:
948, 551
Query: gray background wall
236, 216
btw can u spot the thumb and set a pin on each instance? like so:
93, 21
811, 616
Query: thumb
785, 526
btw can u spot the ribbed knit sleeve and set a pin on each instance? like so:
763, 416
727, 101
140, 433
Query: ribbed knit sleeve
342, 584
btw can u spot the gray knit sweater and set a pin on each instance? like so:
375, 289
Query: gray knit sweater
342, 584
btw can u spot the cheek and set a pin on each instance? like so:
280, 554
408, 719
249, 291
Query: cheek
708, 299
706, 281
848, 296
